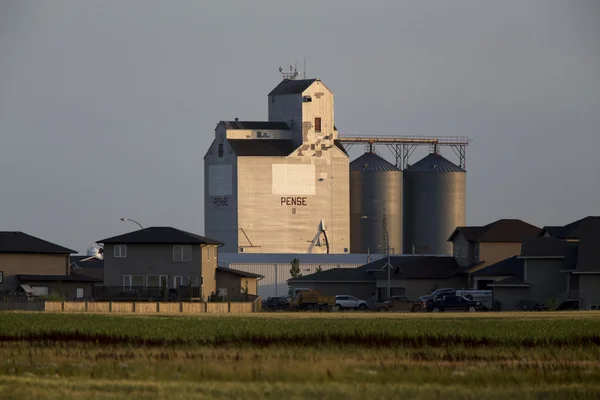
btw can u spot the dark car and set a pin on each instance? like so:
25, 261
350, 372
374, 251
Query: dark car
531, 305
568, 305
453, 303
276, 303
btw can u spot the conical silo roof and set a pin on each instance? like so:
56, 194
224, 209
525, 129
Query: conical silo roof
371, 162
434, 163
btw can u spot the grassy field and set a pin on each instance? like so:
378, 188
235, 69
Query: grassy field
323, 356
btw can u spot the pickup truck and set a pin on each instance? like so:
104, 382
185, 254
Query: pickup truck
400, 303
453, 303
276, 303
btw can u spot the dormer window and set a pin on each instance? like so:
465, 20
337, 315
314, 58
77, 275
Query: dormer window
307, 99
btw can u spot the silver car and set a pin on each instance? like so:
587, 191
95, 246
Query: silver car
345, 302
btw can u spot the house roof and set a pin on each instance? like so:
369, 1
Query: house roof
503, 230
587, 226
292, 86
55, 278
160, 235
359, 274
512, 266
19, 242
513, 281
434, 163
370, 162
261, 147
96, 273
255, 125
239, 273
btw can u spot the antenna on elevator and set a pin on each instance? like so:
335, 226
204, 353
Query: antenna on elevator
289, 75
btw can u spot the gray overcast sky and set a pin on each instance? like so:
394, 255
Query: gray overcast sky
107, 107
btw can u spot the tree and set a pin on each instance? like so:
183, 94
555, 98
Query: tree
295, 270
319, 269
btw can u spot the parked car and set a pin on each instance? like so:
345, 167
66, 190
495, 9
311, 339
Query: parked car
276, 303
349, 302
531, 305
453, 303
400, 303
568, 305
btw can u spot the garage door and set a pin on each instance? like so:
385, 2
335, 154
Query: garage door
40, 290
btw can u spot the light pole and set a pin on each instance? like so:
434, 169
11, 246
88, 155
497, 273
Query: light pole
387, 250
132, 220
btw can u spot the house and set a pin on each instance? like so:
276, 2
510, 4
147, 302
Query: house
159, 259
411, 276
476, 247
588, 226
541, 273
37, 267
236, 285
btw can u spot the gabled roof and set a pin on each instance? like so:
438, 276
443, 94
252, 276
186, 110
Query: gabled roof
359, 274
55, 278
255, 125
584, 227
261, 147
370, 162
503, 230
512, 266
239, 273
292, 86
159, 235
434, 163
19, 242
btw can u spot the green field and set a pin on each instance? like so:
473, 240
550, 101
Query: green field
320, 356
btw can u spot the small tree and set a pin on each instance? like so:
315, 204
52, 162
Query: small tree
245, 291
319, 269
163, 288
295, 270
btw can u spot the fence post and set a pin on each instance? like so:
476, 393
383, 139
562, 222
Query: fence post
86, 307
62, 306
110, 306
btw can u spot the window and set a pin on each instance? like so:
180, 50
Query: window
126, 281
215, 252
1, 276
153, 281
120, 250
476, 251
177, 281
207, 253
138, 281
307, 99
80, 293
317, 124
220, 149
193, 280
182, 252
202, 280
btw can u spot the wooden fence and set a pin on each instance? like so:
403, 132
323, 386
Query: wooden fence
145, 307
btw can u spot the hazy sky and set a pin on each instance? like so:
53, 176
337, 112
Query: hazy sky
107, 107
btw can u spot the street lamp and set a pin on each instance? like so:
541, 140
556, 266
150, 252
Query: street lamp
132, 220
387, 250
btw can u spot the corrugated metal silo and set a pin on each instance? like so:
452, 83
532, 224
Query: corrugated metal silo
435, 192
375, 191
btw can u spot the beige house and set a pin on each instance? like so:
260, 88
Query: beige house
476, 247
234, 284
34, 266
156, 260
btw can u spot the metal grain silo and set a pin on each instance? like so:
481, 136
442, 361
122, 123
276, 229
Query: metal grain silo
375, 191
435, 194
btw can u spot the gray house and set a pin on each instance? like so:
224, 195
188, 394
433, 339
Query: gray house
157, 259
411, 276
